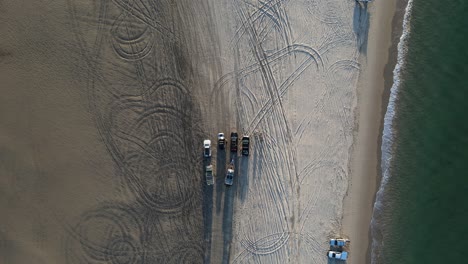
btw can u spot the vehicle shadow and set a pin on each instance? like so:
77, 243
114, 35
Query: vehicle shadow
229, 211
336, 261
361, 25
257, 160
219, 177
207, 212
243, 178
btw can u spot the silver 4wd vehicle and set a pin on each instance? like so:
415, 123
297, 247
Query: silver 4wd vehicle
229, 177
338, 242
230, 174
207, 148
209, 175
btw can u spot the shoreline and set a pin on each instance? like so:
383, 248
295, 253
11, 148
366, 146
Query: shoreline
372, 93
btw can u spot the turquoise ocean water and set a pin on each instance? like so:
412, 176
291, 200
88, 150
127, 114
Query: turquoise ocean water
421, 209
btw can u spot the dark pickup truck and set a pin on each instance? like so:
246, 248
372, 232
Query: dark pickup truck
234, 139
245, 145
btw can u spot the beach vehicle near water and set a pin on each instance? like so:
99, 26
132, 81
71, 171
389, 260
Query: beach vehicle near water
337, 255
338, 242
207, 148
209, 175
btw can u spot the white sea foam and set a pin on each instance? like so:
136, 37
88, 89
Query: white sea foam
388, 139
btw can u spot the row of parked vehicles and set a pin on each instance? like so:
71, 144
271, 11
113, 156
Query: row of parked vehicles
245, 150
337, 249
245, 144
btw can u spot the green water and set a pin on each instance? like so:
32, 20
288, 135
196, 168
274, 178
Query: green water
427, 216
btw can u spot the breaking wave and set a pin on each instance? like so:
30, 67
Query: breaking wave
388, 140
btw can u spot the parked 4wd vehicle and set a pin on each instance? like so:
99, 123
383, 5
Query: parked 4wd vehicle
207, 148
245, 145
209, 175
234, 139
229, 180
221, 140
338, 242
229, 177
343, 255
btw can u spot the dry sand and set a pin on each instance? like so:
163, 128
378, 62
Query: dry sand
292, 88
105, 105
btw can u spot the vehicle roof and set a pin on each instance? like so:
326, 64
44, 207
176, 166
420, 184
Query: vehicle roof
344, 255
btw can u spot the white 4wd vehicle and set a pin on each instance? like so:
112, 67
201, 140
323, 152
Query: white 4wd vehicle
221, 140
337, 255
207, 148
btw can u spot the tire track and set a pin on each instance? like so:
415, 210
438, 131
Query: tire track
268, 9
145, 18
111, 234
129, 44
278, 119
148, 122
253, 68
350, 68
328, 12
187, 253
264, 246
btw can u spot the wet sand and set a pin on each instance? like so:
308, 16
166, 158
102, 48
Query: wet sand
372, 100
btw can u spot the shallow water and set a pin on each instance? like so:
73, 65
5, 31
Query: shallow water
420, 212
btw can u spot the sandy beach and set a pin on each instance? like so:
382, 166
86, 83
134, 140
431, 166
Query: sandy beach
372, 99
106, 104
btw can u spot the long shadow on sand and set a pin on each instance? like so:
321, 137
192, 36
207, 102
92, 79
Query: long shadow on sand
207, 214
243, 178
219, 179
361, 25
228, 213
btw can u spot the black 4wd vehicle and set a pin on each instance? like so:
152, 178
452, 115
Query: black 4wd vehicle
245, 145
234, 138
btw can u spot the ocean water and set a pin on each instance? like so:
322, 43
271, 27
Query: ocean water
421, 209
